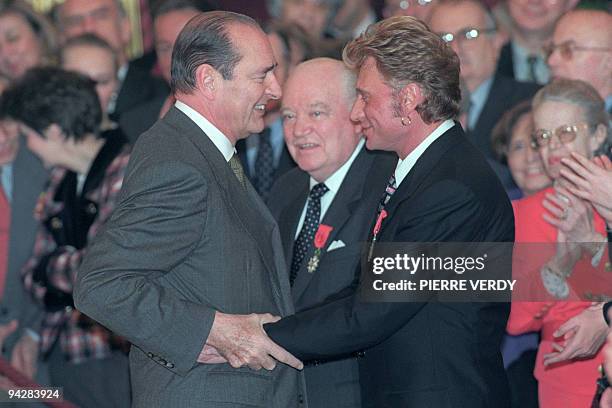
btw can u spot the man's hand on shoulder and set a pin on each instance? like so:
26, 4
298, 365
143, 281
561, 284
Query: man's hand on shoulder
241, 340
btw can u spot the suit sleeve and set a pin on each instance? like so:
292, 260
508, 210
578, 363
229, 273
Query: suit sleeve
158, 222
346, 325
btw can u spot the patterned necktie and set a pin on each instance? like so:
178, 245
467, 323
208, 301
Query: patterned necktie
238, 170
264, 165
311, 223
389, 191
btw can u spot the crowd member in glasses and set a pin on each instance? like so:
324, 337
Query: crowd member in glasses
27, 39
108, 20
420, 9
511, 141
569, 117
531, 27
581, 48
59, 113
468, 27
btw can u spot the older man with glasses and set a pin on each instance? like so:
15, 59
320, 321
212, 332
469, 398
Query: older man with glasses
582, 49
469, 29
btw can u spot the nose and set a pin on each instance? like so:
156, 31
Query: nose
532, 155
273, 89
455, 46
301, 126
357, 114
553, 59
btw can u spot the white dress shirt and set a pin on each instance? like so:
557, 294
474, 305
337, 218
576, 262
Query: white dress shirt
220, 141
404, 166
333, 183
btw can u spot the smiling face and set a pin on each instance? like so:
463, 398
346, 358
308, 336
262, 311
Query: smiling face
374, 110
538, 15
316, 117
20, 49
551, 115
241, 101
524, 162
99, 17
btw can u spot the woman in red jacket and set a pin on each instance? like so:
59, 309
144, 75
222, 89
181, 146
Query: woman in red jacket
568, 239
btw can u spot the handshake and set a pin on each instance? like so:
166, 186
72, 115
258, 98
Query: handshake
241, 340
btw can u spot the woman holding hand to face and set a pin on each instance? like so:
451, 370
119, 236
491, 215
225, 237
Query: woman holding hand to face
569, 117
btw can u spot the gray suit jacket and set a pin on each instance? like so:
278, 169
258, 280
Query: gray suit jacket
184, 241
332, 384
29, 178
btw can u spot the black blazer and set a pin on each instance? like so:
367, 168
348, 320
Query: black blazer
332, 384
138, 87
423, 354
505, 63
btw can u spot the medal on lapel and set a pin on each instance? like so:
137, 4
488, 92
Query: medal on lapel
320, 239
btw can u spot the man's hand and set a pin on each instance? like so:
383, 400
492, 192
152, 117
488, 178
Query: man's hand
583, 334
241, 340
25, 355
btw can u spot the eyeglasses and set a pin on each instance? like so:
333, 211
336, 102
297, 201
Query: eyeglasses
565, 134
567, 49
468, 33
404, 4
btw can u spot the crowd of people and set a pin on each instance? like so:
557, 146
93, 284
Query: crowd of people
186, 229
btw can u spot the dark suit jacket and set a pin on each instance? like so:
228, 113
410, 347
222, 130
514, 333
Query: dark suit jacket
333, 384
505, 63
29, 178
138, 87
504, 94
139, 119
167, 261
423, 354
285, 162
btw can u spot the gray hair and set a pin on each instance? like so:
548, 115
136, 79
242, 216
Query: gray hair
206, 40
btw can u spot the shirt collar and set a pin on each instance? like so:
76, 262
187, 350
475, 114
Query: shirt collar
404, 166
334, 181
477, 101
220, 141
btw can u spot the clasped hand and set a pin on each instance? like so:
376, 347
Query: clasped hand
240, 340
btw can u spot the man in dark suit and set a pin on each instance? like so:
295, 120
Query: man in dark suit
22, 179
329, 151
190, 241
108, 20
417, 354
470, 30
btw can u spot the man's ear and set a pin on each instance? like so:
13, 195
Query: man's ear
410, 97
207, 81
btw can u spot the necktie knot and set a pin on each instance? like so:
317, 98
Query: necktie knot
318, 191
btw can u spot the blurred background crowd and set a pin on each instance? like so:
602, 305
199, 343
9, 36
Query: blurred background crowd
80, 80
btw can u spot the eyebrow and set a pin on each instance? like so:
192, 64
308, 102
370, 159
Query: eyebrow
270, 68
319, 105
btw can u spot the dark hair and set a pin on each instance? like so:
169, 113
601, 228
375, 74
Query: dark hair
206, 40
407, 51
162, 7
501, 135
89, 40
46, 96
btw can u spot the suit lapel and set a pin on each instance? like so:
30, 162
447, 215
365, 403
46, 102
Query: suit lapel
425, 164
290, 216
346, 199
247, 207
